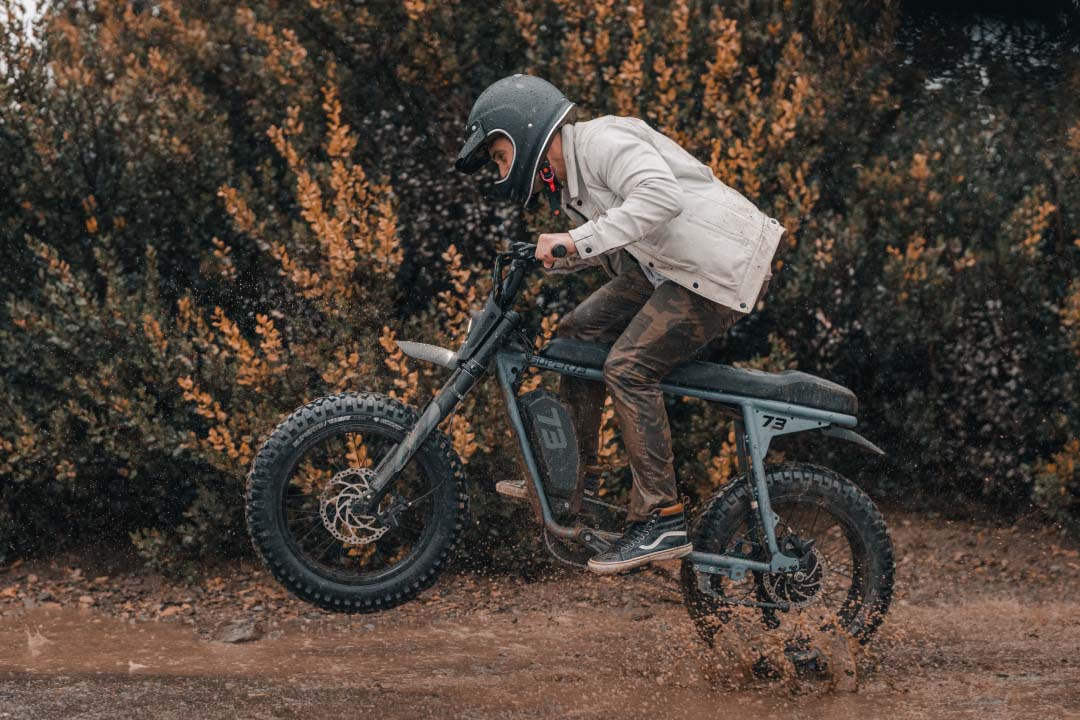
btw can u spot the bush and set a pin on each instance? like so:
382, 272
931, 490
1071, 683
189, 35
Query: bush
213, 214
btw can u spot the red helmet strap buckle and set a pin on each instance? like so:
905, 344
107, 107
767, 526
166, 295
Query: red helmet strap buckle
552, 188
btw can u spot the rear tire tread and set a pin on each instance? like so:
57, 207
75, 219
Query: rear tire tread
790, 478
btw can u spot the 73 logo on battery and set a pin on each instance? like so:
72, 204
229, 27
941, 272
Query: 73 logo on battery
777, 423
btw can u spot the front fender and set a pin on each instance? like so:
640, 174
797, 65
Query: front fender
429, 353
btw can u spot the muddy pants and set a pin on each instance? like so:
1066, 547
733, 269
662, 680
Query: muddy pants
653, 331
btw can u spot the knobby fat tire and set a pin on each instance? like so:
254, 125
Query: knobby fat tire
269, 474
725, 511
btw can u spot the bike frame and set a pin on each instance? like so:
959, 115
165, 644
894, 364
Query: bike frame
756, 420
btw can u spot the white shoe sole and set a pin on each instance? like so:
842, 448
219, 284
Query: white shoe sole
611, 568
511, 489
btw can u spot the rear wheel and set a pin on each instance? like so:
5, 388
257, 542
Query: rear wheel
828, 521
306, 519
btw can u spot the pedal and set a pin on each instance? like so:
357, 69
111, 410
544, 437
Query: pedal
596, 540
512, 489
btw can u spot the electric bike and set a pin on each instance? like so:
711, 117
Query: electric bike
356, 501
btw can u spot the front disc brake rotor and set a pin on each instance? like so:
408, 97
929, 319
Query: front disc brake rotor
344, 492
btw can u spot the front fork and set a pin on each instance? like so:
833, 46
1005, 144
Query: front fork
460, 382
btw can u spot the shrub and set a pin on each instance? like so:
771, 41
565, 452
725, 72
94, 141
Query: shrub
215, 213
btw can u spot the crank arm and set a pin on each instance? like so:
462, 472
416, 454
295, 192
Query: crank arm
596, 540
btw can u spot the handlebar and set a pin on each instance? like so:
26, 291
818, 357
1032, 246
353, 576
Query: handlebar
527, 251
523, 259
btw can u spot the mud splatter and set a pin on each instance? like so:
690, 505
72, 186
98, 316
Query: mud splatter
958, 643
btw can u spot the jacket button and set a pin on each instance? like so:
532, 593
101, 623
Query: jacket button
579, 203
695, 284
650, 264
742, 304
588, 249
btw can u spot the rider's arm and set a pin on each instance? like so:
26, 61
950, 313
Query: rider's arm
633, 169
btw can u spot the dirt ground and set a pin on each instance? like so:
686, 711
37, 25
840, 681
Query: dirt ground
985, 624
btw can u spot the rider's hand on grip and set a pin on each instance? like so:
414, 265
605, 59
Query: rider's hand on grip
550, 246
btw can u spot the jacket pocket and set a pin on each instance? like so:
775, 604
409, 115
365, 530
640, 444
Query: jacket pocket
732, 225
702, 248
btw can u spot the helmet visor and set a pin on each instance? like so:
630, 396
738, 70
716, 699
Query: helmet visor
474, 152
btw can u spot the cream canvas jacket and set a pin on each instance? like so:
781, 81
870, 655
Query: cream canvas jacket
629, 186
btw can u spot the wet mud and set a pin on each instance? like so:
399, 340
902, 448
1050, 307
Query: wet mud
987, 627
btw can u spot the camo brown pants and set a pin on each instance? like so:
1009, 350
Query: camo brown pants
653, 331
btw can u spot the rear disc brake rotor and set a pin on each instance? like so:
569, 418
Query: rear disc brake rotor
799, 587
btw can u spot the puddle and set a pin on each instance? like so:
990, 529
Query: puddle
583, 662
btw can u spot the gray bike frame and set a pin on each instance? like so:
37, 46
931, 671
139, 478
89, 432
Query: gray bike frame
757, 422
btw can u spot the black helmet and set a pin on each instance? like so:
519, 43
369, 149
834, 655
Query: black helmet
527, 110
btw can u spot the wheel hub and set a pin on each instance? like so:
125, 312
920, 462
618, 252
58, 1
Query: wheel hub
801, 587
347, 490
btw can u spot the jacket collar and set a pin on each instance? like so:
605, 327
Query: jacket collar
573, 185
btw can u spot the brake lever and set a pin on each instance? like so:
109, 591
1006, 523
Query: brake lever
523, 251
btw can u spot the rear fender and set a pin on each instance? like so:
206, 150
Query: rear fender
852, 436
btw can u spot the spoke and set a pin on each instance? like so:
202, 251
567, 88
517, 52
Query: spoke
333, 456
311, 529
333, 543
829, 559
813, 523
318, 555
416, 529
840, 569
834, 571
840, 556
826, 596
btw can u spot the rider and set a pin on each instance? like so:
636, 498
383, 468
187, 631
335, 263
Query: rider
687, 256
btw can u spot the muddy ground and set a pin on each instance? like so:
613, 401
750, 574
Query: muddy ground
985, 624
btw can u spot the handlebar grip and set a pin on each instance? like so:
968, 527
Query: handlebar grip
558, 251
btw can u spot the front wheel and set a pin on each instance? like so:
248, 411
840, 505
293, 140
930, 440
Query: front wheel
846, 555
310, 533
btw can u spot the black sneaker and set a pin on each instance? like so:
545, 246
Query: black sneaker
661, 537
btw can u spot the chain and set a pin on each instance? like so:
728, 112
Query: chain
619, 509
